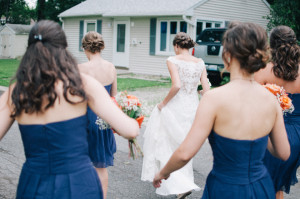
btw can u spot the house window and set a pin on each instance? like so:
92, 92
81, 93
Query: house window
201, 25
90, 25
166, 31
121, 37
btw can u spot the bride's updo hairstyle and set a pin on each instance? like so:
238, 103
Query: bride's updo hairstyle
45, 61
93, 42
247, 42
183, 40
285, 53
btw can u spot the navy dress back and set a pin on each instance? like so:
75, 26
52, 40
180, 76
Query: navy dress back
57, 162
101, 139
284, 173
238, 169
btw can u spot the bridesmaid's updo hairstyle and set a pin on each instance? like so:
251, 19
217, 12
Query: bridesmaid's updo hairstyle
93, 42
285, 53
183, 40
247, 42
45, 62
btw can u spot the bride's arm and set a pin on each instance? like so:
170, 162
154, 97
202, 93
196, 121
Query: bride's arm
5, 112
204, 81
175, 84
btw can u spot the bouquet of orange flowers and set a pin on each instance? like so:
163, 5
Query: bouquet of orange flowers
283, 99
131, 106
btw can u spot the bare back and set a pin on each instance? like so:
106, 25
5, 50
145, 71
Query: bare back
266, 75
242, 112
55, 113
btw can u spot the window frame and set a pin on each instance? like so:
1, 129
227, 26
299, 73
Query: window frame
158, 35
85, 25
208, 20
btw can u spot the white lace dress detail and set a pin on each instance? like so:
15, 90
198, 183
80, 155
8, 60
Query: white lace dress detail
166, 129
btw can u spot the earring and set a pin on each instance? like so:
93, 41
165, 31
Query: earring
228, 60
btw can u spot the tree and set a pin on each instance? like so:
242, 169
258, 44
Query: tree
16, 11
285, 12
51, 8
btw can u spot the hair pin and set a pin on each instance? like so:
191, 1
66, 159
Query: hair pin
38, 37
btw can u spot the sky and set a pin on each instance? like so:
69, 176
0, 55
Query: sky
31, 3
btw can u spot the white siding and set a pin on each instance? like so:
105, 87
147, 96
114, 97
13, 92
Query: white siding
140, 60
19, 45
229, 10
71, 28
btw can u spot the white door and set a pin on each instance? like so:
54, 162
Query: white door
5, 45
121, 43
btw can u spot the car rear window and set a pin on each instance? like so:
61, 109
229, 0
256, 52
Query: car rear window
214, 36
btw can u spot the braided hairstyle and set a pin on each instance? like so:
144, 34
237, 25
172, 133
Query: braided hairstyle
93, 42
183, 40
247, 42
285, 53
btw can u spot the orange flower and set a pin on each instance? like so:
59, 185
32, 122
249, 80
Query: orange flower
134, 99
273, 88
140, 120
286, 102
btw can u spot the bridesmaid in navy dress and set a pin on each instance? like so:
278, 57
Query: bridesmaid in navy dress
102, 144
284, 70
237, 118
49, 101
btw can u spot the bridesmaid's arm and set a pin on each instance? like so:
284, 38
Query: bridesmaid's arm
114, 86
175, 84
5, 112
100, 102
278, 144
201, 128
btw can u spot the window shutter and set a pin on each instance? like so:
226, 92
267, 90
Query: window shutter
80, 34
99, 26
152, 35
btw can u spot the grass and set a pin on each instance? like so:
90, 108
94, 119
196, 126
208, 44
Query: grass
131, 84
8, 68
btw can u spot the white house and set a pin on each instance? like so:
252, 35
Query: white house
13, 40
138, 34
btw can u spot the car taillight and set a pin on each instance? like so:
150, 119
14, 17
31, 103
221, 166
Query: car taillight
193, 52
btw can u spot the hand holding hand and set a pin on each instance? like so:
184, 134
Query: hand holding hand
157, 179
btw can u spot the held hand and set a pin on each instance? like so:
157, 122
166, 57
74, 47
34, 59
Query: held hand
158, 178
160, 106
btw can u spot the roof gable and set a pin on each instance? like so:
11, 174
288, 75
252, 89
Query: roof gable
130, 8
18, 29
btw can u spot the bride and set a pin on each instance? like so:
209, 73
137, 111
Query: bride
171, 119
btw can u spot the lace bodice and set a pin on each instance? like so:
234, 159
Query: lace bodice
189, 74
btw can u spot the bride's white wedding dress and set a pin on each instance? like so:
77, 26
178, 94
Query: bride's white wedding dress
166, 129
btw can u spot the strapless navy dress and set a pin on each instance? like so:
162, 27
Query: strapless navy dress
101, 139
57, 162
238, 170
284, 173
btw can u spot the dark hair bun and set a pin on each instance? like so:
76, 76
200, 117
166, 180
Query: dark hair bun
183, 40
93, 42
247, 42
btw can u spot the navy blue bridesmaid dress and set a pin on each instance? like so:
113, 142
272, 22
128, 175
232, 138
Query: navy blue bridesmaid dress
57, 162
238, 169
101, 139
284, 173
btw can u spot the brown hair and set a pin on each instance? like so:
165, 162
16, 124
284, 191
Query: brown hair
247, 42
45, 61
285, 53
183, 40
93, 42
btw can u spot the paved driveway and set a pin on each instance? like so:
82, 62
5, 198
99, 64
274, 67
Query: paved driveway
124, 177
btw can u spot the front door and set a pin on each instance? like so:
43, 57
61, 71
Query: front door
121, 43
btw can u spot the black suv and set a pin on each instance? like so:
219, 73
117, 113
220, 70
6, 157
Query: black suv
210, 49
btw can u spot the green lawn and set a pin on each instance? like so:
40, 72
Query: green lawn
8, 68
